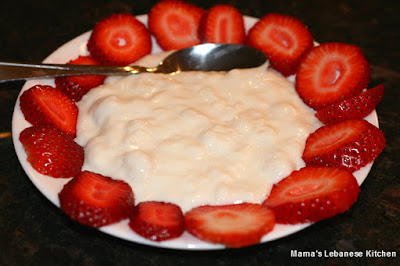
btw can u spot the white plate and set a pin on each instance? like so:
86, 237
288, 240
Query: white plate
50, 187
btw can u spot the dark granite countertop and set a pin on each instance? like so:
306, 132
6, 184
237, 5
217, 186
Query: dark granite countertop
35, 232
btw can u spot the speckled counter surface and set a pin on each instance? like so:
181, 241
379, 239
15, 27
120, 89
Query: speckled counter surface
35, 232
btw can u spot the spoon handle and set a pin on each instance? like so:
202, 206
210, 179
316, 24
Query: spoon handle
16, 71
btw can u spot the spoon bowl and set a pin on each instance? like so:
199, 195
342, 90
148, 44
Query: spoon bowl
203, 57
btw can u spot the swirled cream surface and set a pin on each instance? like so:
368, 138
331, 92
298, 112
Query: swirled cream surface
195, 138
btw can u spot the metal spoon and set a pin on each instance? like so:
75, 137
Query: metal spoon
203, 57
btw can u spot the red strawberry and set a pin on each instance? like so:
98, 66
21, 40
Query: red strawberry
357, 107
157, 221
312, 194
95, 200
52, 152
175, 24
42, 104
222, 24
119, 39
234, 226
350, 144
77, 86
284, 39
330, 73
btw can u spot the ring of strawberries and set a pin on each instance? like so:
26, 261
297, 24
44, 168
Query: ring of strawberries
330, 78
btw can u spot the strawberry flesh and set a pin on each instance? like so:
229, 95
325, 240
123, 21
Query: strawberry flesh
42, 104
350, 144
95, 200
222, 24
77, 86
157, 221
354, 108
312, 194
52, 152
234, 226
327, 77
284, 39
119, 39
330, 73
175, 24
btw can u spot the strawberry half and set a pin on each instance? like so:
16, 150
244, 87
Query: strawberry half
157, 221
354, 108
52, 152
175, 24
284, 39
350, 144
234, 226
119, 39
42, 104
95, 200
330, 73
222, 24
312, 194
77, 86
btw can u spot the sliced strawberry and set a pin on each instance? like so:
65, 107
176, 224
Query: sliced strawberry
222, 24
157, 221
119, 39
42, 104
52, 152
77, 86
234, 226
175, 24
330, 73
95, 200
284, 39
354, 108
350, 144
312, 194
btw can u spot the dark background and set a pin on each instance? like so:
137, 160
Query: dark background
35, 232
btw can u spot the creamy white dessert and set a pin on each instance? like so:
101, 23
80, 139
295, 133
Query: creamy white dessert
195, 138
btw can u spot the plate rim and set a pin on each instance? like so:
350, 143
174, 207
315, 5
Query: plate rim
119, 229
